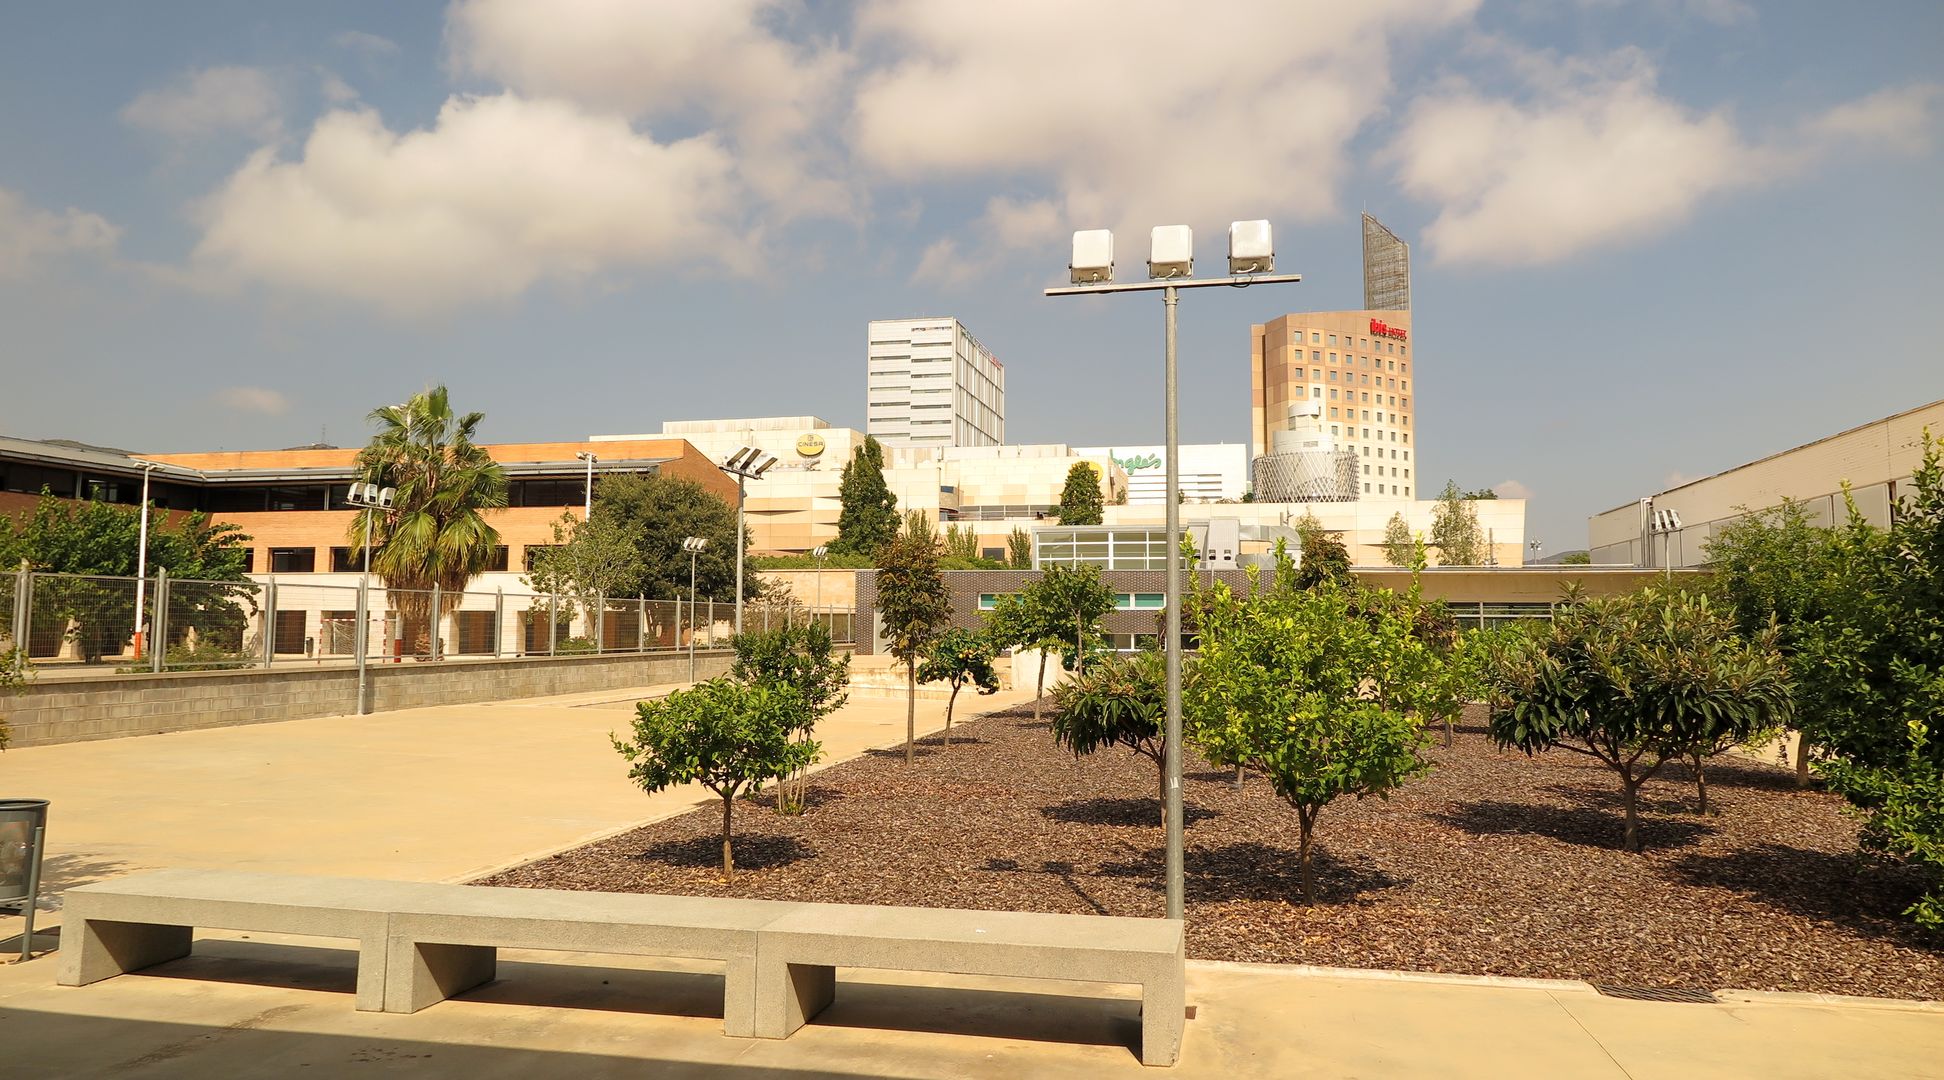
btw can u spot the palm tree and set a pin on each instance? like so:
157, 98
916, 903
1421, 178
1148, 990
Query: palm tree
436, 533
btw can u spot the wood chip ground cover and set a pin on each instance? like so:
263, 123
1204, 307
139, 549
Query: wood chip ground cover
1491, 864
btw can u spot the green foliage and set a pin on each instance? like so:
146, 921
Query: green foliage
868, 516
436, 533
1302, 687
799, 656
1481, 493
1324, 559
574, 646
726, 735
1119, 701
590, 560
916, 608
655, 514
1903, 808
1577, 558
1636, 680
962, 541
1454, 529
1019, 549
960, 658
831, 561
1400, 546
1068, 603
15, 674
1080, 500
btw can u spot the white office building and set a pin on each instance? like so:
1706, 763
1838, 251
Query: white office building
1210, 472
930, 383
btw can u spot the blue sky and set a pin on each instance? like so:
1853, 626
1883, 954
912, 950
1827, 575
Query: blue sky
1651, 239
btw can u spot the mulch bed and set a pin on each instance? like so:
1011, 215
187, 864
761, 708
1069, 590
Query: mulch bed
1491, 864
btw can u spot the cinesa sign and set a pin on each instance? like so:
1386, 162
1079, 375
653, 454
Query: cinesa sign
1380, 328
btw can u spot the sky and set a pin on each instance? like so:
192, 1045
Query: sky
1651, 239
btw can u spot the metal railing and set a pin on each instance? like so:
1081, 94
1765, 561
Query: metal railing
69, 624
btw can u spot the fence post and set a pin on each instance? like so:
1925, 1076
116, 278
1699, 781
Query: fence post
710, 640
499, 619
553, 620
641, 624
158, 639
600, 623
361, 640
269, 619
432, 639
23, 609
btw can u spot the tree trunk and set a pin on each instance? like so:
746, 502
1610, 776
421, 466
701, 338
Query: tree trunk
1039, 688
1802, 761
949, 702
1701, 782
911, 709
1079, 649
728, 854
1629, 787
1238, 778
1447, 731
1307, 825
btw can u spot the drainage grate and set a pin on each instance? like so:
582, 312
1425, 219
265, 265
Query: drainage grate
1658, 993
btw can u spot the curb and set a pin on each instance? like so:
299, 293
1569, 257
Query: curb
1502, 982
1844, 1001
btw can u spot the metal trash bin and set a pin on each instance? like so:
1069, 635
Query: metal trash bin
23, 840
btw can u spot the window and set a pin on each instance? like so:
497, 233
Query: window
296, 498
293, 561
1316, 356
1407, 474
287, 631
347, 560
1316, 373
1333, 415
1407, 489
497, 560
1333, 342
990, 601
1366, 489
997, 554
532, 551
1366, 468
1364, 379
1366, 453
1147, 601
1315, 338
1333, 358
1298, 391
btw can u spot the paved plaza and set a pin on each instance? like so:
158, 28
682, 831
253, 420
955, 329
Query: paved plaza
444, 794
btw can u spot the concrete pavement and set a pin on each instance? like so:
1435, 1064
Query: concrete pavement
447, 793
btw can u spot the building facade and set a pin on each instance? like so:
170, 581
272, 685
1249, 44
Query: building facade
930, 383
1875, 459
1349, 371
1210, 472
1386, 268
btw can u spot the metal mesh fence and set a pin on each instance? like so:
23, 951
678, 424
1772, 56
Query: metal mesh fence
73, 624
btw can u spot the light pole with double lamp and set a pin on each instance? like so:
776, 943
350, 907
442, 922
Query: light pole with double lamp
745, 465
1171, 266
373, 500
693, 545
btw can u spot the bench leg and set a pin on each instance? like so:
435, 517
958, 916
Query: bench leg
739, 998
1164, 1015
789, 995
422, 973
102, 950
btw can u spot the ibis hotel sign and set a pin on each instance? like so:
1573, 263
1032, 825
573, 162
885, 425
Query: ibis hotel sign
1380, 328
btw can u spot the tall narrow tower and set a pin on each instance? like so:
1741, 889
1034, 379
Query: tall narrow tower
1387, 268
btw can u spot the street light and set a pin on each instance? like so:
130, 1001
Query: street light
746, 464
693, 545
588, 456
1537, 545
374, 500
820, 551
141, 560
1666, 522
1171, 264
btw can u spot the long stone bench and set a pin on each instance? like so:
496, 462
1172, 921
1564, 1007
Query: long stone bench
798, 955
420, 943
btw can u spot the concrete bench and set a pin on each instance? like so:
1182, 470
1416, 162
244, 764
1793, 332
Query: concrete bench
148, 918
799, 952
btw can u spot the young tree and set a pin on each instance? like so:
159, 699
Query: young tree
1068, 603
1324, 561
726, 735
799, 656
1121, 701
960, 658
912, 598
590, 560
962, 542
867, 519
436, 534
1019, 550
654, 514
1454, 529
1634, 681
1080, 500
1400, 546
1287, 683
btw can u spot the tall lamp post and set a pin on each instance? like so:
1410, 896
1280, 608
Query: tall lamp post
141, 563
373, 500
1171, 266
820, 551
693, 545
1537, 545
745, 464
587, 512
1666, 523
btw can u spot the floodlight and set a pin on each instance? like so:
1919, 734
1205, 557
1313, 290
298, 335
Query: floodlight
693, 544
820, 550
1093, 257
1250, 248
1667, 520
1171, 252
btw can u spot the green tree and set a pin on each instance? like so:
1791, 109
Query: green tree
867, 519
1400, 546
1080, 500
1481, 493
1324, 559
726, 735
590, 560
655, 514
437, 533
1634, 681
962, 542
1121, 701
1289, 682
1454, 529
800, 656
960, 658
1903, 808
911, 597
1019, 549
1577, 558
1059, 610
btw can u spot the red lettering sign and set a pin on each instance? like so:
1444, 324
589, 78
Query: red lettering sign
1380, 328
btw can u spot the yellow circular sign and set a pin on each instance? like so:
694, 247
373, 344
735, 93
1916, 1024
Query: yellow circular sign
810, 445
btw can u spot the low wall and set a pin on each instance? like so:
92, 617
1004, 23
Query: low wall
79, 710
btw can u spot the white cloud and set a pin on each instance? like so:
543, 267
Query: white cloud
29, 234
1130, 112
676, 60
501, 192
1898, 117
336, 90
359, 41
1595, 156
1511, 489
212, 101
254, 399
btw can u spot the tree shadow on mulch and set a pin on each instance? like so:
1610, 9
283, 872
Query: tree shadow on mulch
1064, 872
1727, 774
757, 851
1129, 812
1249, 870
1586, 825
1860, 894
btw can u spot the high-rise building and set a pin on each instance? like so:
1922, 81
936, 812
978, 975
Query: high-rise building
1349, 372
930, 383
1387, 268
